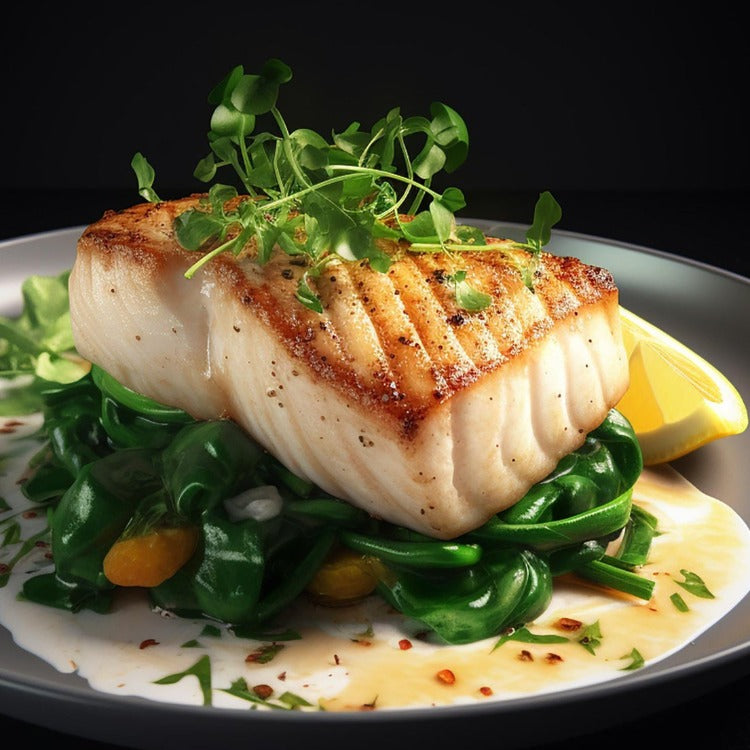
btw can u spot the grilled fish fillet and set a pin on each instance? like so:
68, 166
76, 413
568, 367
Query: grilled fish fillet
393, 398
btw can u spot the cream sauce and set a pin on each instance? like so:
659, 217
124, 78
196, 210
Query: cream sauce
354, 658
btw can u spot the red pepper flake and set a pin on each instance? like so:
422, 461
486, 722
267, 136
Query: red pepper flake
13, 423
29, 514
4, 569
148, 642
404, 644
48, 555
553, 658
41, 543
446, 676
263, 691
525, 655
484, 690
336, 659
281, 676
568, 624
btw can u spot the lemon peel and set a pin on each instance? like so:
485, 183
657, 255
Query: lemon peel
676, 401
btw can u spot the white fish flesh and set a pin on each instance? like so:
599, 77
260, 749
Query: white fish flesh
392, 398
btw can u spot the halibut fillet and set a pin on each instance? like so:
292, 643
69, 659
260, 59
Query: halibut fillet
393, 398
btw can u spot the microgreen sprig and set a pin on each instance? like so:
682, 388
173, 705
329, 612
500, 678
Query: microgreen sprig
324, 200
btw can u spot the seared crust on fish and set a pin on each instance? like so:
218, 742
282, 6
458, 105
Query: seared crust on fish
392, 398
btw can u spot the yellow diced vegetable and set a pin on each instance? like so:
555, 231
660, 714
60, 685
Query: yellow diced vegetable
151, 559
344, 578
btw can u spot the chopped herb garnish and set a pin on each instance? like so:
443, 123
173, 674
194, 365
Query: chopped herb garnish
679, 603
286, 701
330, 200
695, 585
591, 637
524, 635
636, 660
201, 670
11, 534
467, 297
293, 700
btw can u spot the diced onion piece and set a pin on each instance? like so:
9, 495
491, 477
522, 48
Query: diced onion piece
261, 503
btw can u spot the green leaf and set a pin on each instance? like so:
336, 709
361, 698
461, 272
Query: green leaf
695, 585
205, 170
524, 635
421, 228
218, 195
201, 670
60, 369
636, 660
352, 140
450, 133
145, 175
429, 161
453, 199
679, 603
547, 213
378, 260
262, 173
195, 228
591, 637
11, 534
224, 148
293, 700
307, 297
229, 122
467, 297
386, 131
36, 339
276, 71
385, 199
442, 219
257, 94
223, 90
468, 235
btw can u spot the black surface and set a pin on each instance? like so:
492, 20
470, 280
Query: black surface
562, 95
705, 226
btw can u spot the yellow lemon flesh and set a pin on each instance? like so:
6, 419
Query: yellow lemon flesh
676, 401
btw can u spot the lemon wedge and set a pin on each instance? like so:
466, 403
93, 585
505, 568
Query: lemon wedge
676, 401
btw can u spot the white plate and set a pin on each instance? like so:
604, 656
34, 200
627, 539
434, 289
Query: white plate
706, 308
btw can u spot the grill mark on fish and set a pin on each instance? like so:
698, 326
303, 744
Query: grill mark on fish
451, 365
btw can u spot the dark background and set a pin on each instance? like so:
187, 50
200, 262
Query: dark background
631, 114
